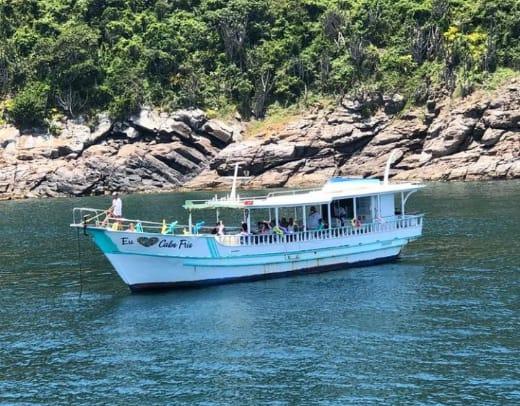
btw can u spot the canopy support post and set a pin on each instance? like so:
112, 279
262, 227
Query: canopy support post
354, 208
190, 222
406, 199
304, 217
329, 216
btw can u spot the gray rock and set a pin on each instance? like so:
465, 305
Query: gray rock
194, 118
491, 136
218, 130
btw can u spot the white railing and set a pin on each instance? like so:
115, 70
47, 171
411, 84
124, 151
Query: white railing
312, 235
87, 217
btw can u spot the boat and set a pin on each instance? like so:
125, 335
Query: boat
363, 221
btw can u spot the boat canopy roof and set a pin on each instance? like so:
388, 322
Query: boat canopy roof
335, 189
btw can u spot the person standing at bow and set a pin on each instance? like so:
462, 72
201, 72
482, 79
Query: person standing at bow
116, 210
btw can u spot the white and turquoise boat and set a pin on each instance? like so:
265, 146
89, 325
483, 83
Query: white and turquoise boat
372, 227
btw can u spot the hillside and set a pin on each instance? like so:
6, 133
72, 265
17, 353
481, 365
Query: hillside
81, 57
146, 95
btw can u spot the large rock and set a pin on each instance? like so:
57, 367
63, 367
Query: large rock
491, 136
218, 130
194, 118
8, 135
450, 136
502, 119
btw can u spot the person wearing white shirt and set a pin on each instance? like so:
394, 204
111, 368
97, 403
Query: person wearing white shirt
313, 221
116, 209
340, 214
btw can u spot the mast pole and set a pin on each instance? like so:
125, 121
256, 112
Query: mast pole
388, 163
233, 195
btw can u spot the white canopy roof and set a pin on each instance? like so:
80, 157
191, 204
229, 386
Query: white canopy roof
334, 189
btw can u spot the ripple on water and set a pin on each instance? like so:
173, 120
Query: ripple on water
439, 326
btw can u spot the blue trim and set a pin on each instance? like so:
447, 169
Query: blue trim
404, 240
209, 282
104, 243
212, 247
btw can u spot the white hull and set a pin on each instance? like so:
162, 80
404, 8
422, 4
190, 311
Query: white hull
146, 261
141, 273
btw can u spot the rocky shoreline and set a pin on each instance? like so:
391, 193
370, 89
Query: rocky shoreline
476, 138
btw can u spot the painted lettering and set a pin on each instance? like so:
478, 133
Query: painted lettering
126, 241
175, 244
185, 244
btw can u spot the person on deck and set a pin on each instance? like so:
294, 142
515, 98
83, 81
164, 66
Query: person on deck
243, 229
116, 210
220, 228
340, 214
313, 221
291, 226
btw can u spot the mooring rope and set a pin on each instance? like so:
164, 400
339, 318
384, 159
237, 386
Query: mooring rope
79, 265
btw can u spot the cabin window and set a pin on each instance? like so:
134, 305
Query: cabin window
364, 208
387, 205
347, 204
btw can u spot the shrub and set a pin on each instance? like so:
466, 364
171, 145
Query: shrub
29, 107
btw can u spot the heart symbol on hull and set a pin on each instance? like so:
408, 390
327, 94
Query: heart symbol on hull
147, 242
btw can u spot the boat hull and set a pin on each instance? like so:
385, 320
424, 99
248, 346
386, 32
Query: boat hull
149, 272
148, 286
152, 261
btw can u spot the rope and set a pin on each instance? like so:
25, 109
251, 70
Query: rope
79, 264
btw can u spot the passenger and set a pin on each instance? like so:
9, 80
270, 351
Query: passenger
243, 230
291, 227
283, 225
313, 221
215, 229
264, 228
340, 214
220, 228
131, 227
278, 230
116, 210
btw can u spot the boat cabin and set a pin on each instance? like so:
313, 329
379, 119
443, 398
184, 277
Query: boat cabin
341, 202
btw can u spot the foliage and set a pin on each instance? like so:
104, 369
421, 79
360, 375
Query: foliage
29, 107
87, 55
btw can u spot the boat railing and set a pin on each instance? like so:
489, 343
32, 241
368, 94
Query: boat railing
83, 216
325, 234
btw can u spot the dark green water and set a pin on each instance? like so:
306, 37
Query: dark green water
442, 325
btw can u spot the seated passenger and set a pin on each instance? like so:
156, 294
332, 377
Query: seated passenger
264, 228
243, 230
283, 225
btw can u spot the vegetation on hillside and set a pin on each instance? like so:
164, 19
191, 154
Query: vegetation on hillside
83, 56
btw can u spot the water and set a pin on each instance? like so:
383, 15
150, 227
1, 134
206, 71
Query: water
439, 326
